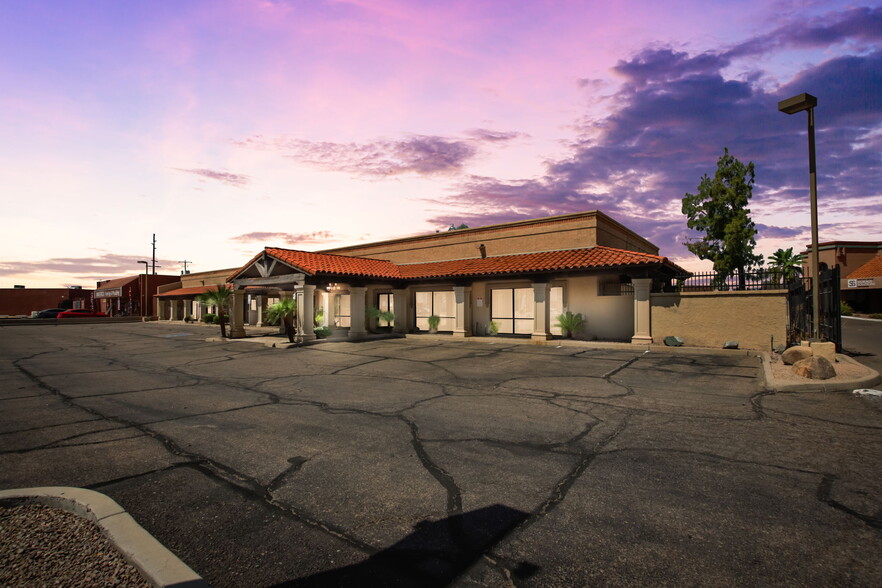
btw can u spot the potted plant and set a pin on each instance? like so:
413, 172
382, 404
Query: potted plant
569, 323
493, 329
434, 321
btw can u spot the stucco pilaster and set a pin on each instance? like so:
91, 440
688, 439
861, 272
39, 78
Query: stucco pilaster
399, 307
463, 295
357, 311
642, 325
237, 315
306, 311
541, 327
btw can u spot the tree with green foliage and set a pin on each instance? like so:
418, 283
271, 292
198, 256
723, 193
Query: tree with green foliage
719, 209
785, 266
221, 297
283, 311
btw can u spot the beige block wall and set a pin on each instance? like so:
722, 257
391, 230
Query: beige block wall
709, 319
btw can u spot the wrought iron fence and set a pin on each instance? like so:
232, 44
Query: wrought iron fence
713, 281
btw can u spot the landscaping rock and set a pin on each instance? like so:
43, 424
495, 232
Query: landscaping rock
672, 341
825, 349
730, 345
796, 353
815, 368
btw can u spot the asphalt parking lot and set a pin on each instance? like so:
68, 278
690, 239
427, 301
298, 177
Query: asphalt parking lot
429, 463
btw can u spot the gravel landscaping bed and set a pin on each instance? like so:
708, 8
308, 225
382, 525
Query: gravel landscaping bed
45, 546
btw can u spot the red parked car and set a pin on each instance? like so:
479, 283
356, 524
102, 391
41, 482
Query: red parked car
79, 312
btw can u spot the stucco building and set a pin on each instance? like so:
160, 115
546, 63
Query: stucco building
517, 277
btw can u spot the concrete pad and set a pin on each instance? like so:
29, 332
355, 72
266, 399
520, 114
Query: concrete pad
373, 394
151, 406
356, 471
493, 418
113, 382
84, 465
24, 414
228, 537
693, 520
52, 435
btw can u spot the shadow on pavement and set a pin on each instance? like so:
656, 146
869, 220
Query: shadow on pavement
433, 555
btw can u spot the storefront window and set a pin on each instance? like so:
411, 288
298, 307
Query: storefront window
441, 304
385, 304
512, 309
342, 313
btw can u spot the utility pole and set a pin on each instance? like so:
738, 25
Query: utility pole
185, 262
154, 254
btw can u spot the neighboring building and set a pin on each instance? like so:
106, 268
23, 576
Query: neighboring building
130, 295
177, 300
860, 271
516, 276
24, 301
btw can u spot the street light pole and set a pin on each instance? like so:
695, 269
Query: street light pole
793, 105
144, 288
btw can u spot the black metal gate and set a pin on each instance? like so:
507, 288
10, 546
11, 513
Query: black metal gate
799, 303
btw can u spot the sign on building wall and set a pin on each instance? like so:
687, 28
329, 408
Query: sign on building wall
109, 293
861, 283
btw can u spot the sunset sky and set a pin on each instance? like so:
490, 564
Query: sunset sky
227, 126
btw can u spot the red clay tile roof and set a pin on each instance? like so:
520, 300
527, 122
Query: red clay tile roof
572, 259
186, 292
326, 263
871, 269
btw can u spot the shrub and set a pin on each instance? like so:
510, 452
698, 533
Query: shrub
209, 318
569, 323
845, 309
322, 332
493, 329
434, 321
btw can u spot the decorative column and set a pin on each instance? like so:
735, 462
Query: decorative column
541, 305
331, 308
306, 311
261, 310
642, 325
237, 320
399, 307
175, 312
356, 309
462, 294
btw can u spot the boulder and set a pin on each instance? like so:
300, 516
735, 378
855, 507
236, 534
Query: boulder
815, 368
796, 353
730, 345
672, 341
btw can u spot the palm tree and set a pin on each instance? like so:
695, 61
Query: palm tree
570, 323
785, 265
284, 310
221, 298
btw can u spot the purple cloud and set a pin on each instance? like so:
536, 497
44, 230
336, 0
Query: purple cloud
100, 267
220, 176
858, 24
676, 113
421, 154
493, 136
263, 237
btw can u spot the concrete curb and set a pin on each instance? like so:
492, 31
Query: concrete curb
774, 385
158, 565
